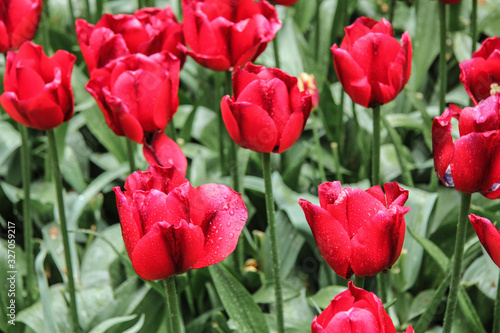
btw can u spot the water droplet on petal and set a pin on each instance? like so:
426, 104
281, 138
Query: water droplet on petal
231, 235
231, 211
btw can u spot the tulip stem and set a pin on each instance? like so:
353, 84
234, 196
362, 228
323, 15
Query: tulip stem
429, 312
359, 281
496, 315
376, 147
336, 159
442, 56
130, 154
266, 169
276, 51
457, 262
392, 9
173, 314
233, 149
319, 153
473, 25
28, 225
64, 229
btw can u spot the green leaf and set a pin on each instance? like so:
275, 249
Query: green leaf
103, 327
432, 249
484, 273
10, 140
325, 295
469, 311
237, 301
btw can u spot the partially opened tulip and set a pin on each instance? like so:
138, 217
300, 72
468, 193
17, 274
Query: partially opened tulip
471, 163
224, 34
488, 235
358, 231
137, 93
161, 150
267, 112
37, 88
372, 66
18, 22
481, 74
170, 227
147, 31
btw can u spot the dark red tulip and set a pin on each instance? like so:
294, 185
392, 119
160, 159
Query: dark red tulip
37, 88
358, 231
488, 235
170, 227
147, 31
471, 163
160, 149
267, 112
137, 93
225, 34
481, 74
18, 22
287, 3
354, 310
372, 66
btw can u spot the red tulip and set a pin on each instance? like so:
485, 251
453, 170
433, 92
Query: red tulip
147, 31
358, 231
488, 235
354, 310
472, 162
38, 88
481, 74
371, 65
160, 149
287, 3
18, 22
267, 112
136, 93
169, 226
223, 34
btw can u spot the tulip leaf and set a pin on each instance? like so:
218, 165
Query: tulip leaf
325, 295
105, 325
237, 301
10, 140
469, 312
484, 273
432, 249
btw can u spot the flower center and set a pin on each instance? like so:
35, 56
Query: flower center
495, 88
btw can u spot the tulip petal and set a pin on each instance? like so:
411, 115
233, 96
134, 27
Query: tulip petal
442, 142
130, 225
396, 196
328, 193
294, 127
491, 181
356, 320
488, 235
164, 151
229, 120
167, 250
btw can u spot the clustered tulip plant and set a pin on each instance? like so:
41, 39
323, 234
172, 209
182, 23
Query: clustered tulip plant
306, 166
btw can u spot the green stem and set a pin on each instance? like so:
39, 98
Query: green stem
392, 8
473, 25
429, 312
318, 30
336, 159
266, 167
140, 4
173, 313
28, 225
88, 14
222, 127
130, 154
98, 9
71, 11
359, 281
276, 51
457, 262
382, 287
319, 153
376, 147
233, 149
340, 118
442, 56
496, 315
64, 229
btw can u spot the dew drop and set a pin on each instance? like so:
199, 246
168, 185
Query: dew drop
231, 235
231, 211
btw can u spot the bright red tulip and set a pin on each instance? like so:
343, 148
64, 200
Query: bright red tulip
287, 3
225, 34
160, 149
481, 74
267, 112
372, 66
137, 93
18, 22
488, 235
472, 162
352, 311
170, 227
37, 88
147, 31
358, 231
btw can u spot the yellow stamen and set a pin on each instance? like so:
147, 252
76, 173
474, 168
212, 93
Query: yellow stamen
495, 88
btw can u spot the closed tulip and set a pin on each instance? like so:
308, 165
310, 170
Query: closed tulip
481, 74
147, 31
358, 231
37, 88
137, 93
18, 22
267, 112
372, 66
225, 34
170, 227
488, 235
471, 163
161, 150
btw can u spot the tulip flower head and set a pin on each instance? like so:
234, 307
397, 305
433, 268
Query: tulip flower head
147, 31
37, 88
481, 74
18, 22
372, 66
488, 235
161, 150
358, 231
308, 82
471, 163
225, 34
267, 112
170, 227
